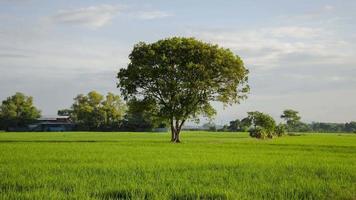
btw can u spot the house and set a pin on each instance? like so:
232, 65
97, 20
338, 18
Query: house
56, 123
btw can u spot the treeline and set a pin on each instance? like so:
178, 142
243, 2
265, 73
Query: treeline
96, 112
349, 127
293, 123
90, 112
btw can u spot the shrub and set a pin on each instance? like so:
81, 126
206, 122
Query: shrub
259, 132
280, 130
263, 125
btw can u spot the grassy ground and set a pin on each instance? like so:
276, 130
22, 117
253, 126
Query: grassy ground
204, 166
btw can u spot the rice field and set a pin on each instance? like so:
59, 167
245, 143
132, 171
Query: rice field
103, 165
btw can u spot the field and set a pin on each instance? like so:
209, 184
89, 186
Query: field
205, 166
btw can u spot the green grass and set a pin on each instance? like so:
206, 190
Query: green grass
205, 166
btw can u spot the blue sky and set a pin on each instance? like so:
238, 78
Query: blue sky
301, 54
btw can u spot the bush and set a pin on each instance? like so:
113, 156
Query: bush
258, 132
264, 125
280, 130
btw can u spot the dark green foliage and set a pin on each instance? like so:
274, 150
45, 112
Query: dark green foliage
350, 127
141, 115
280, 130
239, 125
295, 125
18, 111
263, 125
258, 132
292, 119
299, 127
96, 112
181, 76
64, 112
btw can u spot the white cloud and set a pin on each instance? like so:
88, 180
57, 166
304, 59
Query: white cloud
320, 14
148, 15
97, 16
92, 17
293, 32
281, 46
328, 8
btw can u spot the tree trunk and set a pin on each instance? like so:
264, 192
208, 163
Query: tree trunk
175, 135
176, 139
172, 131
175, 131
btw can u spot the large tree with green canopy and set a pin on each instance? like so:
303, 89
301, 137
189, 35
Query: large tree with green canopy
182, 76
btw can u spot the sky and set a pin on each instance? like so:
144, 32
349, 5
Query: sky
301, 54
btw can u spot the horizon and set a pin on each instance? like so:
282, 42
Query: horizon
301, 55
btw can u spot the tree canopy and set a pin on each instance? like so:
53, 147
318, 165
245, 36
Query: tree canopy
94, 111
291, 117
181, 76
18, 111
239, 125
141, 115
263, 124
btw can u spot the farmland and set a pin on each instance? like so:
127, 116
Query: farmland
106, 165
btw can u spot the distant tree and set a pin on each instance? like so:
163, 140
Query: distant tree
114, 110
246, 123
96, 112
182, 76
300, 127
211, 126
239, 125
350, 127
64, 112
328, 127
280, 129
18, 111
263, 125
291, 117
234, 125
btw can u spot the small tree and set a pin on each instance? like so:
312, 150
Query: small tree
292, 118
350, 127
280, 129
239, 125
235, 125
64, 112
18, 111
182, 76
263, 125
211, 126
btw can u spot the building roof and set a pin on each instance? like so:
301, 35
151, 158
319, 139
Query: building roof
52, 118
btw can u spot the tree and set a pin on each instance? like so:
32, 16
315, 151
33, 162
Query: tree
18, 111
291, 117
263, 125
181, 76
114, 109
96, 112
350, 127
64, 112
280, 129
211, 126
235, 125
239, 125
